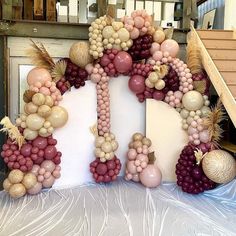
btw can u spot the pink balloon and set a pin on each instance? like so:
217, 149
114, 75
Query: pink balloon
35, 169
38, 75
134, 33
155, 47
204, 136
192, 130
170, 46
142, 157
48, 165
135, 178
158, 55
123, 62
132, 154
138, 22
40, 142
137, 84
36, 189
158, 95
131, 167
47, 183
150, 176
89, 68
104, 61
45, 91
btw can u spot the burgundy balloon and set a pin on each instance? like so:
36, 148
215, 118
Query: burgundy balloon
101, 168
158, 95
137, 83
26, 149
123, 62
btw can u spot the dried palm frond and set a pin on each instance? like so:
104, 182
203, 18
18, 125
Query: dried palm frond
193, 55
28, 94
58, 71
40, 57
200, 86
12, 131
212, 122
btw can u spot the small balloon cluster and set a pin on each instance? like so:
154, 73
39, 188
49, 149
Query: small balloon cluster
139, 167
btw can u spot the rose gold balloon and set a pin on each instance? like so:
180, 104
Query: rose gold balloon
151, 176
38, 75
47, 183
36, 189
48, 165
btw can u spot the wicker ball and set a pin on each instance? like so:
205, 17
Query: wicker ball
79, 54
219, 166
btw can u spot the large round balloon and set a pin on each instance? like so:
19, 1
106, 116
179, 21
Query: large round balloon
170, 46
123, 62
38, 75
137, 84
58, 117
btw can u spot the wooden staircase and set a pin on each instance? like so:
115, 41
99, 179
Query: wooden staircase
218, 51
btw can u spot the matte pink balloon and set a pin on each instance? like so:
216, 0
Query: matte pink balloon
137, 84
204, 136
135, 178
131, 167
48, 165
158, 55
170, 46
104, 61
155, 47
50, 152
38, 75
36, 189
123, 62
150, 176
134, 33
35, 169
47, 183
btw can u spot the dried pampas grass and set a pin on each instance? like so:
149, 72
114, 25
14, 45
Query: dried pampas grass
212, 122
40, 57
193, 55
12, 131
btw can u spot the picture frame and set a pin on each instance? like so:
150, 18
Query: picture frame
208, 19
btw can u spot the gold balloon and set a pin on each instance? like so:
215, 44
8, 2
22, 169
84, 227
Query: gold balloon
58, 117
159, 36
137, 137
44, 111
17, 190
34, 121
49, 101
30, 108
146, 141
29, 180
38, 99
16, 176
7, 184
30, 134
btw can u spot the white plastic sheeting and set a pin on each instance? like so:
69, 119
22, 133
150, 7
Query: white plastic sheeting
120, 209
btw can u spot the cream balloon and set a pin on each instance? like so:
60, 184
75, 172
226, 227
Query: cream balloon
49, 101
34, 122
159, 36
38, 75
44, 111
35, 189
29, 180
30, 108
16, 176
58, 117
30, 134
7, 184
38, 99
193, 100
17, 190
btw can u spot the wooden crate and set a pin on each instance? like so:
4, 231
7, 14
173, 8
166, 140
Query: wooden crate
51, 10
28, 9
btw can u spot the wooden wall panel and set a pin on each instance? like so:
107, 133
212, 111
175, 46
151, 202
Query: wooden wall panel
38, 10
51, 10
28, 9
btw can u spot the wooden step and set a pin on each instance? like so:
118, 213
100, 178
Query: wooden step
229, 77
216, 34
219, 43
225, 65
224, 54
232, 89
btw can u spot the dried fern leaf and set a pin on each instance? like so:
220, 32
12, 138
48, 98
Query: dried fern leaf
40, 57
212, 122
12, 131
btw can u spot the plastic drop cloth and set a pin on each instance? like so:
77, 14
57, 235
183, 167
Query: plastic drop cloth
121, 209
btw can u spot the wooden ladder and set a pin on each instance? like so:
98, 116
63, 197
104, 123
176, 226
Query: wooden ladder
218, 51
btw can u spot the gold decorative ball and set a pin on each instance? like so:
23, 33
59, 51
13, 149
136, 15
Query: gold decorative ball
219, 166
79, 54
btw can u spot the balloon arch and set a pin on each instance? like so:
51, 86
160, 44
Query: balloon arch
134, 47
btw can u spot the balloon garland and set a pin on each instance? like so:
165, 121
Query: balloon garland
134, 47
